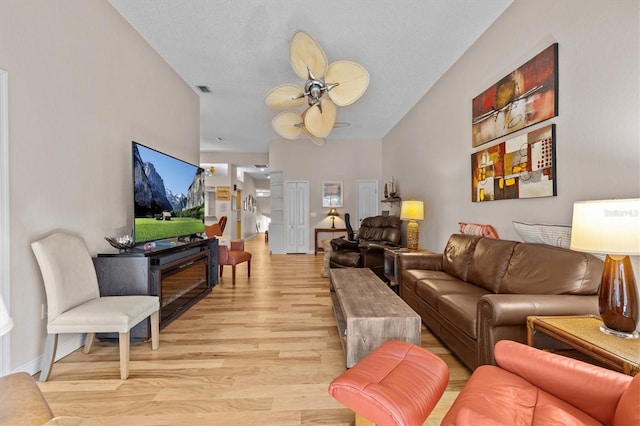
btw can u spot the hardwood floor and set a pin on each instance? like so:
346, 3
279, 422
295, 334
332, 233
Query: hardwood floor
261, 352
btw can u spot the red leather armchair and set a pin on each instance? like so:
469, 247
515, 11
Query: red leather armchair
533, 387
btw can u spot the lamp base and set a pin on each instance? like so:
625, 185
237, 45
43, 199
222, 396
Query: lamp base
413, 235
617, 297
616, 333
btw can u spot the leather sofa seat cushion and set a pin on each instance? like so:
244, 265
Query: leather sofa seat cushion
457, 255
431, 289
496, 396
456, 308
489, 263
541, 269
410, 277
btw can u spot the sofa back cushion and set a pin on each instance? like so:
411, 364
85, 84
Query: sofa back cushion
457, 255
384, 229
489, 262
543, 269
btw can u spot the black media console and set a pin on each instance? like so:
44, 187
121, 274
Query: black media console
180, 274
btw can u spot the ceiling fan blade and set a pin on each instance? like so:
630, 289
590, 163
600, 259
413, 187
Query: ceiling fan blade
287, 124
305, 52
317, 141
353, 81
319, 119
284, 97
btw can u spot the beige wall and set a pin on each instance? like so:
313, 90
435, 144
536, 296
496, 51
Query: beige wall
338, 160
598, 137
82, 85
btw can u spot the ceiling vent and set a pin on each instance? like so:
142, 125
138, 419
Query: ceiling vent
204, 89
261, 166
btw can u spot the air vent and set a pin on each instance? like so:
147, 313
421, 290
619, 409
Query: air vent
261, 166
204, 89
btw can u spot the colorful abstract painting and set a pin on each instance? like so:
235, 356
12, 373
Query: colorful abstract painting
527, 96
520, 167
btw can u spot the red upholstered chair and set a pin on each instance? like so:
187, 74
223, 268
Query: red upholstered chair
222, 222
233, 256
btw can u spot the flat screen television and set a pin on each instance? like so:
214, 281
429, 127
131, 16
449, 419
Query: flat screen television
168, 196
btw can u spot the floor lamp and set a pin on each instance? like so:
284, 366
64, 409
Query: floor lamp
412, 211
612, 227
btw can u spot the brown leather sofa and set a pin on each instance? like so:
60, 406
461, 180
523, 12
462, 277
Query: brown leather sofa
367, 251
481, 290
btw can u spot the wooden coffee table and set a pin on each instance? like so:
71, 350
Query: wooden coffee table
369, 313
583, 334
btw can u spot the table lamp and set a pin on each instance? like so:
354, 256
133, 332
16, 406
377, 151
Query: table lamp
6, 323
612, 227
333, 213
412, 211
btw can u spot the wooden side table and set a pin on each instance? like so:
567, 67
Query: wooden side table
317, 247
391, 264
583, 334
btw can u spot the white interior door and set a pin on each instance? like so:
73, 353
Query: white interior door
367, 199
297, 217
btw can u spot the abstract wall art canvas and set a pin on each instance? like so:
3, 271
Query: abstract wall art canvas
526, 96
520, 167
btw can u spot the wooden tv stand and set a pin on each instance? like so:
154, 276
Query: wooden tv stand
180, 274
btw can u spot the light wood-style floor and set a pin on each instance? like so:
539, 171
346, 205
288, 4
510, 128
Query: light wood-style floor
260, 353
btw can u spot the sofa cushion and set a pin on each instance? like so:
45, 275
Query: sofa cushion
489, 263
457, 254
431, 289
410, 277
543, 269
460, 309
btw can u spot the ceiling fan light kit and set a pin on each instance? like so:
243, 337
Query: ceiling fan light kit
344, 82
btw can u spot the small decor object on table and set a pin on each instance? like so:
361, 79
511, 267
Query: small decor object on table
125, 243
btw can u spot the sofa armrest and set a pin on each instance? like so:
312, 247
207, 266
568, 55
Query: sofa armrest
513, 309
504, 316
591, 389
344, 245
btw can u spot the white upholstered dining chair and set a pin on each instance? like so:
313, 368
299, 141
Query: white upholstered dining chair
74, 304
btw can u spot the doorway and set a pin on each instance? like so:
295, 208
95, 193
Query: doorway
297, 217
367, 200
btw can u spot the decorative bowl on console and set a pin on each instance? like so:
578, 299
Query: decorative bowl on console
125, 244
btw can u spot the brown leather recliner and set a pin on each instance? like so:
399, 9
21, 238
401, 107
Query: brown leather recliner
367, 251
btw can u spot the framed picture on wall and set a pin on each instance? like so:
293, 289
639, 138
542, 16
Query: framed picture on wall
520, 167
526, 96
332, 193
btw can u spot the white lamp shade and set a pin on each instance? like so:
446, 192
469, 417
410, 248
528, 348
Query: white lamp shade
606, 226
6, 323
412, 210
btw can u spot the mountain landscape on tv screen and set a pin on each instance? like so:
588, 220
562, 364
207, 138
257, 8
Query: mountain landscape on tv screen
152, 197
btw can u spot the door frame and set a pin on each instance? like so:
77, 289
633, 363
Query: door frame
5, 258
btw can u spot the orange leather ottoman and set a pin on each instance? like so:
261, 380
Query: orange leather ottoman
397, 384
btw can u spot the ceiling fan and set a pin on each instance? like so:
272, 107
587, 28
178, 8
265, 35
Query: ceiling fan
327, 86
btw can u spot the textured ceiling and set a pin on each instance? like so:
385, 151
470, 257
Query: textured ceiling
239, 49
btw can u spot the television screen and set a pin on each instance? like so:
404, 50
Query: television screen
168, 196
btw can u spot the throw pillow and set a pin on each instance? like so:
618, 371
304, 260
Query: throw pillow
486, 231
552, 235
